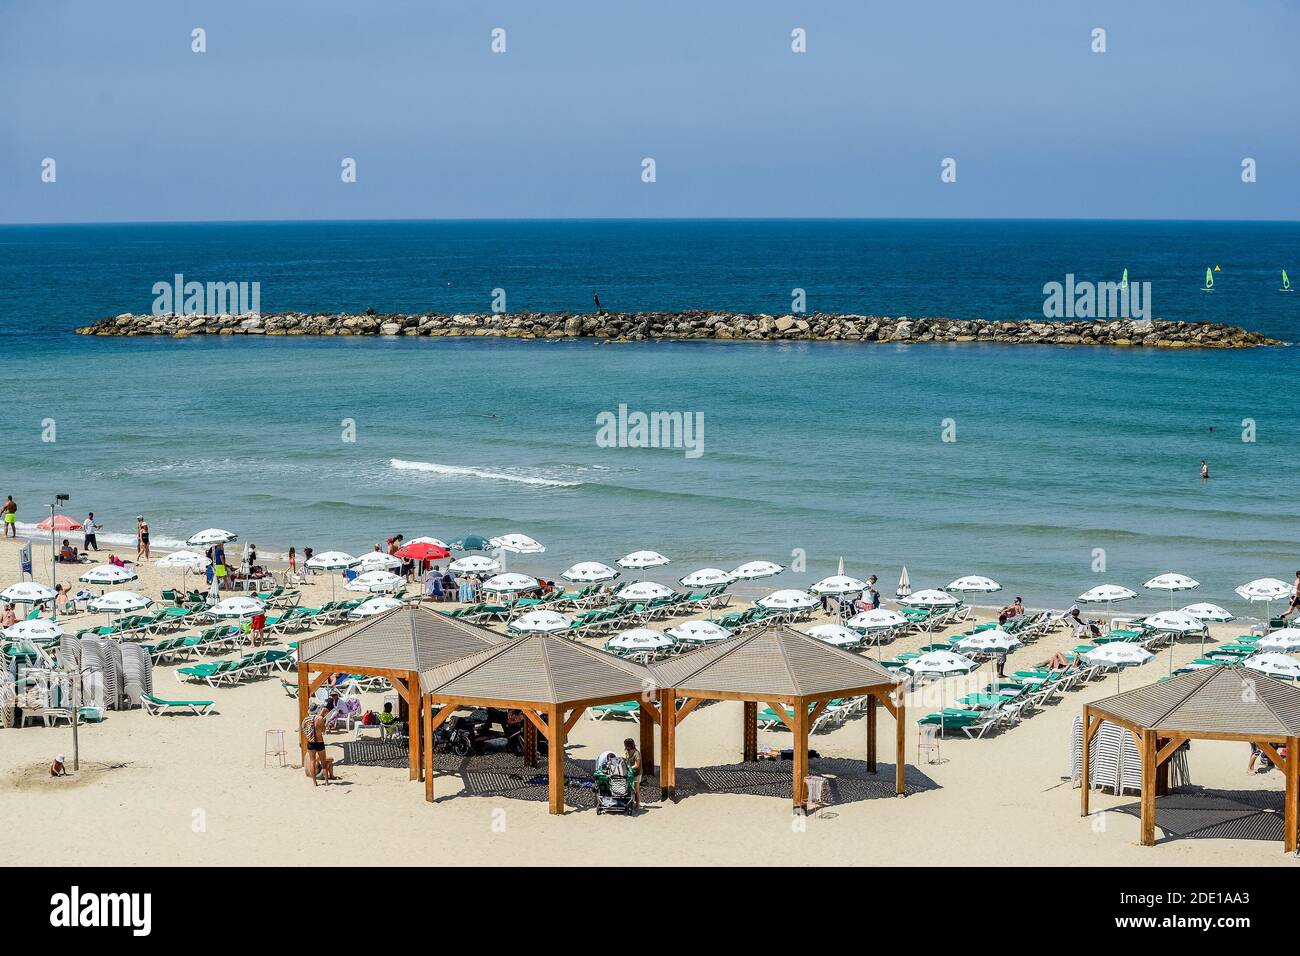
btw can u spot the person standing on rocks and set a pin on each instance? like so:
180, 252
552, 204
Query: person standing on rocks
595, 297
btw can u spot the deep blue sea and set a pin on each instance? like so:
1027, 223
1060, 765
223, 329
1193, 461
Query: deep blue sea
830, 450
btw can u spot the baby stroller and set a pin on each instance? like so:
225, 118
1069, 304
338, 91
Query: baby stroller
615, 791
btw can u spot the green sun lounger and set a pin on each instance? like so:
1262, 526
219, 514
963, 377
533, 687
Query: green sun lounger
156, 706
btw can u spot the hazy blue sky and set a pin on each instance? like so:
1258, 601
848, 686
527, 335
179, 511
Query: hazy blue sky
255, 128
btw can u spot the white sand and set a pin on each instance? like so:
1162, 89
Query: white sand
191, 791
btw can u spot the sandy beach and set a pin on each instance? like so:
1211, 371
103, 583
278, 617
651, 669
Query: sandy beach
194, 791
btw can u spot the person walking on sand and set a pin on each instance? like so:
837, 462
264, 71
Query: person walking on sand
1295, 599
141, 538
1205, 471
90, 529
10, 511
633, 758
316, 761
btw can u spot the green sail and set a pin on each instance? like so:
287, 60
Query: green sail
1123, 284
1286, 281
1209, 278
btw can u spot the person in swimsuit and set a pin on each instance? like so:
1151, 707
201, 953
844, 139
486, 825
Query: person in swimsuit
141, 538
633, 758
10, 511
1205, 471
316, 760
1295, 599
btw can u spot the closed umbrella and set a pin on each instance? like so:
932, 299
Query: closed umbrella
904, 584
640, 560
754, 570
698, 632
589, 572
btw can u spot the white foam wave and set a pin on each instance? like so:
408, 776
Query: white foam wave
457, 471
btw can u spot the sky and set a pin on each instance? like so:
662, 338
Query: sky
142, 128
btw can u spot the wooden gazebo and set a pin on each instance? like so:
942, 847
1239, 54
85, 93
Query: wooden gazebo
550, 679
396, 645
1214, 703
797, 676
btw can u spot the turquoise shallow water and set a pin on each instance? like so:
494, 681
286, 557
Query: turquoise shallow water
831, 449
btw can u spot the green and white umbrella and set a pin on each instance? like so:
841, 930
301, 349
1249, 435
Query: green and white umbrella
642, 591
1275, 665
754, 570
37, 630
436, 542
376, 561
1118, 655
1106, 594
639, 640
210, 536
1283, 641
540, 621
707, 578
589, 572
1267, 590
640, 560
108, 575
233, 608
835, 634
788, 599
475, 564
940, 664
119, 602
509, 583
1177, 623
930, 597
373, 606
1172, 582
698, 632
838, 584
27, 592
1209, 613
328, 561
974, 584
517, 544
991, 641
878, 619
376, 582
190, 561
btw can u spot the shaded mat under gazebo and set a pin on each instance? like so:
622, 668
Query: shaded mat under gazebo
1195, 813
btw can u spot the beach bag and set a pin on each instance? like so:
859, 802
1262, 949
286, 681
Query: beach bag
369, 718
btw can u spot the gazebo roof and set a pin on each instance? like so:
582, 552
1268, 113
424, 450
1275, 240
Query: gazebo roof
776, 661
403, 639
538, 669
1212, 700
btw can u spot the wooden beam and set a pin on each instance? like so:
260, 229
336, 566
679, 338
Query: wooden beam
690, 705
556, 760
530, 743
537, 722
413, 723
1148, 751
1169, 749
428, 748
1291, 814
314, 684
646, 731
900, 747
572, 719
1272, 755
668, 742
871, 733
304, 695
1084, 762
800, 731
749, 730
646, 708
784, 715
818, 710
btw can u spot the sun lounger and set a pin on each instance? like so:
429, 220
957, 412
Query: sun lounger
156, 706
628, 708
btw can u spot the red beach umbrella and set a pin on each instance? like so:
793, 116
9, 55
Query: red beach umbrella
422, 552
59, 523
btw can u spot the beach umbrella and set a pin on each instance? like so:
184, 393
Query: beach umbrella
509, 583
1118, 656
423, 551
517, 544
1275, 665
1172, 582
106, 575
835, 634
540, 621
838, 584
376, 561
876, 619
39, 629
789, 599
904, 584
1175, 622
930, 597
753, 570
376, 582
375, 605
184, 560
471, 542
425, 539
590, 572
59, 523
119, 602
974, 584
236, 607
941, 664
642, 591
639, 640
1209, 613
27, 592
698, 632
1284, 640
328, 561
1106, 594
991, 641
210, 536
475, 564
639, 560
1265, 589
707, 578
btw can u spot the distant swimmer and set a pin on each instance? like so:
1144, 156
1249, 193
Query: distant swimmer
1205, 471
595, 297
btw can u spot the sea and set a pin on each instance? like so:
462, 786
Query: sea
1049, 469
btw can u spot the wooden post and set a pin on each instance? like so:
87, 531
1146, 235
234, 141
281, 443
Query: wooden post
1148, 788
1162, 771
647, 745
1292, 815
749, 731
428, 749
668, 742
530, 743
800, 728
555, 736
304, 694
413, 722
900, 746
1084, 762
871, 733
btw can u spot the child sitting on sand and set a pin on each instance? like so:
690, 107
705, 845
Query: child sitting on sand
56, 767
